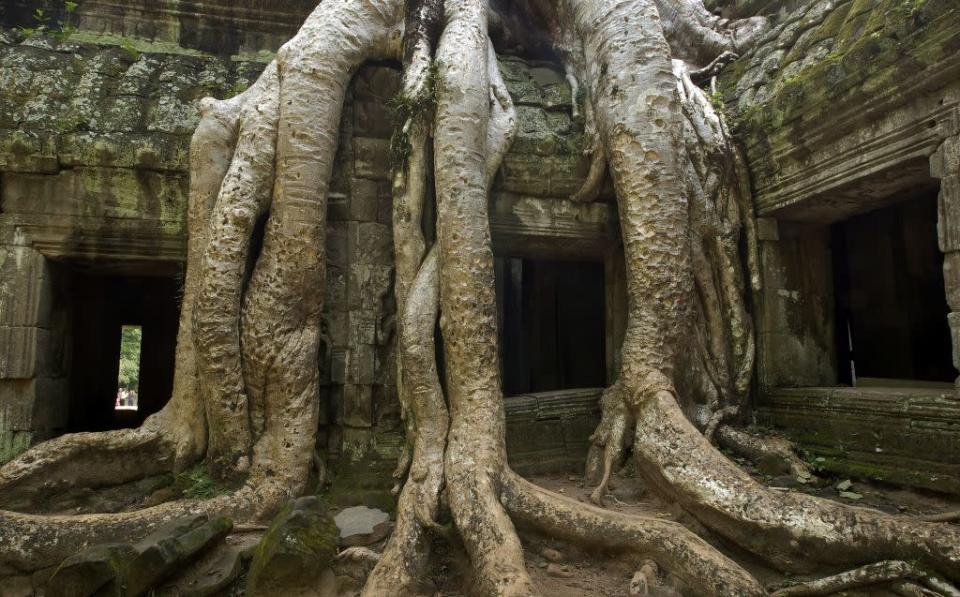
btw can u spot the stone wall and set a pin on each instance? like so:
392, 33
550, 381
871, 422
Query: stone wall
843, 107
94, 139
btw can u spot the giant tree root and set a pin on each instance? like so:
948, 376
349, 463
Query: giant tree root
789, 530
246, 393
886, 572
670, 544
91, 460
770, 453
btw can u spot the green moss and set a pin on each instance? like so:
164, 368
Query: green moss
133, 44
196, 483
877, 46
300, 543
414, 110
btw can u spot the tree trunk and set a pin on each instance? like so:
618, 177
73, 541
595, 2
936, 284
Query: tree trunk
246, 394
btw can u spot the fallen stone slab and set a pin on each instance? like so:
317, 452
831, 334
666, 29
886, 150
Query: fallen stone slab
296, 551
359, 526
128, 570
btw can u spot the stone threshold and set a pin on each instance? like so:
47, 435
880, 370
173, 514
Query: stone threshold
903, 435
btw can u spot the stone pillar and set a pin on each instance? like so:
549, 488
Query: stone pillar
32, 385
945, 165
794, 319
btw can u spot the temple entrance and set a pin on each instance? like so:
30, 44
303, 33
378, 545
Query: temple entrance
551, 324
124, 332
891, 311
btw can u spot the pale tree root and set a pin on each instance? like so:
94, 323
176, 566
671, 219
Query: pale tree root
402, 568
770, 453
175, 437
953, 516
593, 184
669, 544
410, 183
475, 455
280, 315
886, 572
85, 460
31, 542
609, 443
791, 531
244, 197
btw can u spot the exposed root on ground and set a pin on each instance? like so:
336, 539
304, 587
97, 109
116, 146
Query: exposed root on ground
886, 572
246, 395
669, 544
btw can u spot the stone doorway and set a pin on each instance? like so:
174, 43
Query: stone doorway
891, 308
552, 325
101, 306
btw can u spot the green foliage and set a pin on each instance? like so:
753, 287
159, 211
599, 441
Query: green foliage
196, 484
130, 49
411, 111
130, 340
61, 30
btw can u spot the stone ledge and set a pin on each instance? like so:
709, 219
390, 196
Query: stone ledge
532, 227
550, 431
909, 436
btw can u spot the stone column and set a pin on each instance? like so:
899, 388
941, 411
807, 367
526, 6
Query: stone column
945, 165
32, 386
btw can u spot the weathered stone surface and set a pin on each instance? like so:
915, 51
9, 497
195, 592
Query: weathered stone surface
874, 432
90, 572
839, 91
551, 430
361, 525
210, 578
132, 569
295, 551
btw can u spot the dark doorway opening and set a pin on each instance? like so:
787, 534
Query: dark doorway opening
105, 310
891, 304
552, 325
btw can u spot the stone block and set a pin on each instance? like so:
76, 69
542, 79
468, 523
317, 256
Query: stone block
385, 205
335, 407
337, 245
338, 365
357, 405
523, 175
945, 161
17, 399
371, 158
372, 119
335, 290
566, 174
362, 364
948, 215
364, 200
368, 286
337, 326
26, 294
516, 76
50, 404
954, 321
534, 135
370, 243
363, 328
951, 279
13, 443
767, 229
375, 81
18, 352
296, 550
338, 206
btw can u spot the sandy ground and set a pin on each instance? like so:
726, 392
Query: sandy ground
561, 570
